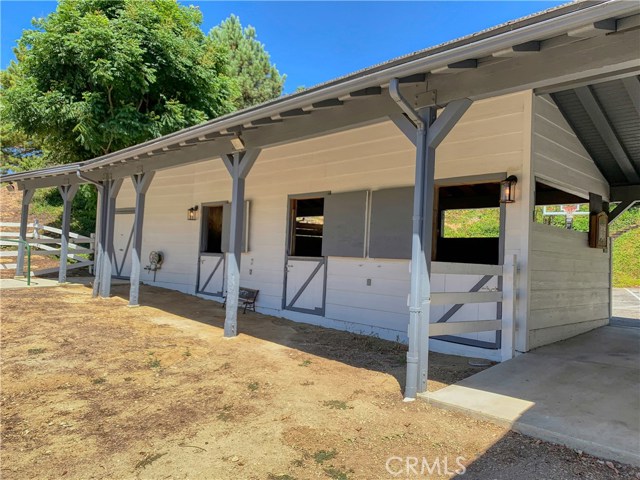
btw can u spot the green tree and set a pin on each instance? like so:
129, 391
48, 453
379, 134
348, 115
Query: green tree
96, 76
257, 79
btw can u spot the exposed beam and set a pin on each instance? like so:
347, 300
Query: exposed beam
620, 209
592, 80
332, 102
602, 125
216, 135
520, 49
574, 62
186, 156
417, 78
626, 23
265, 121
141, 183
324, 121
595, 29
569, 63
456, 67
632, 85
595, 203
623, 194
406, 126
365, 92
446, 121
67, 192
296, 112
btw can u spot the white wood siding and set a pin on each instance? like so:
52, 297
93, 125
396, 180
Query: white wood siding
492, 137
558, 156
569, 285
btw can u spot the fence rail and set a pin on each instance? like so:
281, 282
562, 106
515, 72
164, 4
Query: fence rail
44, 240
504, 296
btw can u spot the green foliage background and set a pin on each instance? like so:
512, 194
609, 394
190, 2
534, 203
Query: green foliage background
626, 248
97, 76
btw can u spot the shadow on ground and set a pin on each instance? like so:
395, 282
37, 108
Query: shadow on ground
361, 351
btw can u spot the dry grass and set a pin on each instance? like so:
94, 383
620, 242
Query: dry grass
94, 389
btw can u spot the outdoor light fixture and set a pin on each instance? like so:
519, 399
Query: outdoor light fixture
192, 213
508, 189
11, 187
237, 143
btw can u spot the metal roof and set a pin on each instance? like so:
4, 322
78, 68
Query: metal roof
606, 118
425, 75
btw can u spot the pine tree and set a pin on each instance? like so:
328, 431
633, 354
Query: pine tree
256, 79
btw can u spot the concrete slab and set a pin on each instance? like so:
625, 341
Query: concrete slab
583, 392
626, 305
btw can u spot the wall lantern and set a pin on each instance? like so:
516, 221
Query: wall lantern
508, 189
192, 213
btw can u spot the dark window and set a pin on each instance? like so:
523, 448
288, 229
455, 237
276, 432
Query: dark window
212, 231
467, 228
307, 223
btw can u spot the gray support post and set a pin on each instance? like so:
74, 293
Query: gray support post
99, 245
420, 296
429, 160
430, 131
109, 198
141, 183
27, 195
238, 164
67, 192
103, 191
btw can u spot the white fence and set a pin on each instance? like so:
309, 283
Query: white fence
504, 295
45, 241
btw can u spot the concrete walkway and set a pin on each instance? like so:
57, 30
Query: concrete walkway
583, 392
626, 306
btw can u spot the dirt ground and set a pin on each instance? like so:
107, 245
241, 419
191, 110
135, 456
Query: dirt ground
93, 389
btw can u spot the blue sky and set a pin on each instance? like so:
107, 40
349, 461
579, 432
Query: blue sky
313, 42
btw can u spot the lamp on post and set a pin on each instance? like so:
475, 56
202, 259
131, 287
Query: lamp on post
192, 213
508, 189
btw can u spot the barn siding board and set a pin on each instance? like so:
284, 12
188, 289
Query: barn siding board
544, 336
569, 289
559, 156
372, 157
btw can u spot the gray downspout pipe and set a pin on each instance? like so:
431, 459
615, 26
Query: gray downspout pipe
418, 264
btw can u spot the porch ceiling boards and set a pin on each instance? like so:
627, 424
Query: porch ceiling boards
582, 41
606, 118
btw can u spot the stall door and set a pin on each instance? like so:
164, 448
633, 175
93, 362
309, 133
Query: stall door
305, 285
211, 276
211, 261
123, 242
305, 267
